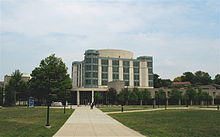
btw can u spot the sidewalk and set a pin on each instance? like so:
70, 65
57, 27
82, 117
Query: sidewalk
85, 122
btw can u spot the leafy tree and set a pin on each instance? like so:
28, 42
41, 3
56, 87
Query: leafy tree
50, 78
157, 81
202, 78
123, 97
217, 79
111, 96
166, 82
15, 86
175, 96
188, 76
191, 94
146, 96
177, 79
98, 97
133, 96
1, 95
160, 97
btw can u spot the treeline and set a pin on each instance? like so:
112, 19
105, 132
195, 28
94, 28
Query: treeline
144, 97
197, 78
49, 81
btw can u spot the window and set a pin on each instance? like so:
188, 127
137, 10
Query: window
95, 60
136, 77
149, 64
115, 76
136, 64
95, 74
104, 62
150, 77
104, 68
136, 83
95, 67
150, 70
104, 75
88, 60
88, 74
126, 63
115, 69
115, 62
95, 82
126, 83
88, 67
150, 83
104, 82
88, 81
126, 76
136, 70
126, 70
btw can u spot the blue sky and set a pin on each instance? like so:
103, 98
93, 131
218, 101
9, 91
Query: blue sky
181, 35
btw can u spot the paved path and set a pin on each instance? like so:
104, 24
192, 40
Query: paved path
85, 122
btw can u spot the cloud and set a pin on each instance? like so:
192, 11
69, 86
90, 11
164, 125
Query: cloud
180, 35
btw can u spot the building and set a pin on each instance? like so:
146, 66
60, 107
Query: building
100, 67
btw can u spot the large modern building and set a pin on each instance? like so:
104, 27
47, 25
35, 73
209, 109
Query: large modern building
101, 67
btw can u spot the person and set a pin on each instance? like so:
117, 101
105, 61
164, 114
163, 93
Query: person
92, 105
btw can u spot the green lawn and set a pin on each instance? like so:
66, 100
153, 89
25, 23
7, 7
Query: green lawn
29, 122
173, 123
139, 107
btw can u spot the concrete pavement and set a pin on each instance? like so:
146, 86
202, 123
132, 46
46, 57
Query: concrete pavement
85, 122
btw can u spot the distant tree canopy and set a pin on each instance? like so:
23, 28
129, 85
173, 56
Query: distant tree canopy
198, 78
158, 82
50, 78
217, 79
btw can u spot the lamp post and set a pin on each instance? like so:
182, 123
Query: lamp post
65, 103
48, 112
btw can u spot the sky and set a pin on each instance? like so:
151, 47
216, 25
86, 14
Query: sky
181, 35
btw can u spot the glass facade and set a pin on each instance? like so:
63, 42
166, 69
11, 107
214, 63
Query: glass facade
88, 71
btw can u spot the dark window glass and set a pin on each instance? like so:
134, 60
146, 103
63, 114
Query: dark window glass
88, 81
95, 60
150, 70
136, 83
149, 64
88, 67
104, 68
150, 77
88, 74
104, 62
115, 69
95, 82
115, 76
136, 77
126, 63
88, 60
95, 67
104, 82
126, 76
150, 83
136, 70
136, 64
115, 62
104, 75
95, 74
125, 69
126, 83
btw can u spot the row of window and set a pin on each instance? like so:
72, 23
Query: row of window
125, 63
91, 60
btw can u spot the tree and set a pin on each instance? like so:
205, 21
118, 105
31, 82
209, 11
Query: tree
175, 96
15, 86
157, 81
166, 82
217, 79
191, 94
111, 96
50, 78
1, 96
160, 97
133, 96
177, 79
98, 97
202, 78
123, 96
146, 96
188, 76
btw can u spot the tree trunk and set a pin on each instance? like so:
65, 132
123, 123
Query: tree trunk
179, 101
141, 102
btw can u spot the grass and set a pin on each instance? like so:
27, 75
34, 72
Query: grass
143, 107
173, 123
29, 122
